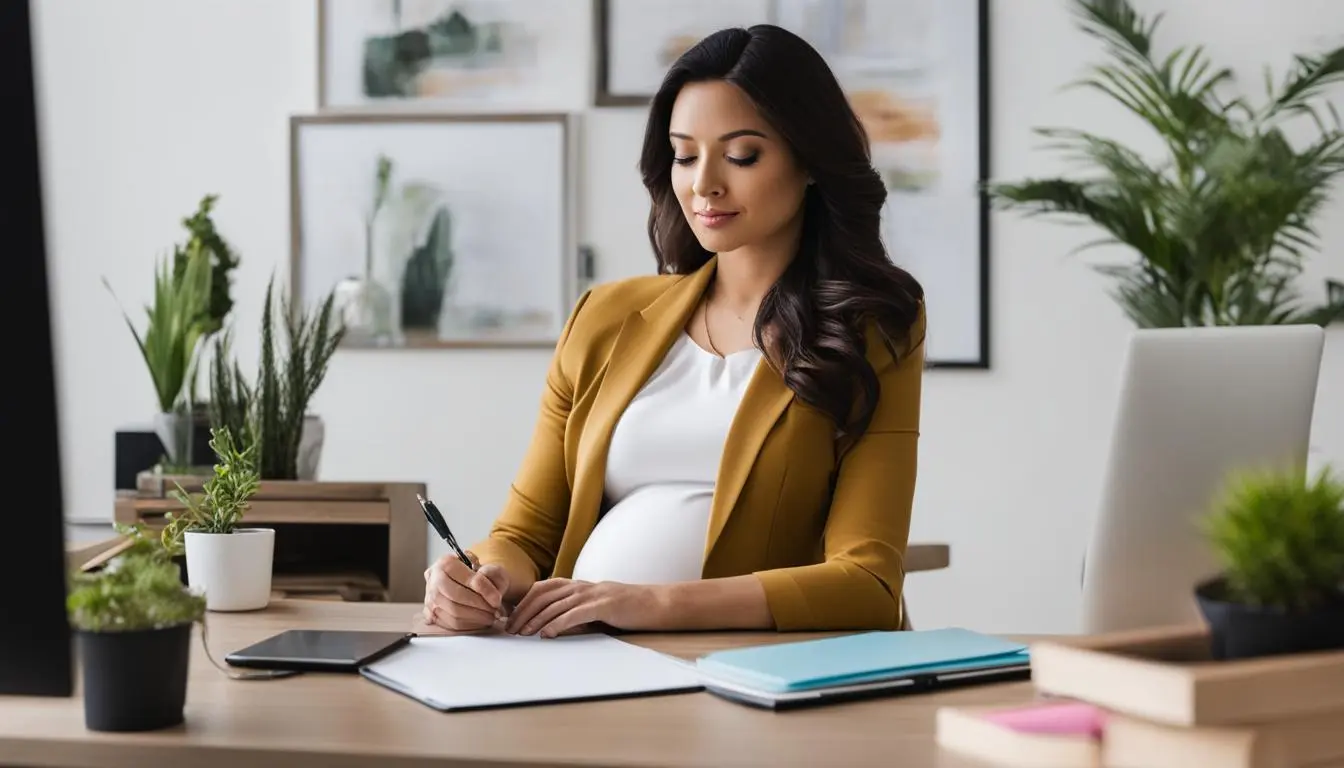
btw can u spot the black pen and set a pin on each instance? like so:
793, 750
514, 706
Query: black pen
440, 525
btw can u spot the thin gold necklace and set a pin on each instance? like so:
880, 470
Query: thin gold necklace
709, 338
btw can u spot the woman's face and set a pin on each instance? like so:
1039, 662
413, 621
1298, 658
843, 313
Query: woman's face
737, 181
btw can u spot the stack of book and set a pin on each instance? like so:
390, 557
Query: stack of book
1155, 699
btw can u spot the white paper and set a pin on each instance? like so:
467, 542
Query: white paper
466, 671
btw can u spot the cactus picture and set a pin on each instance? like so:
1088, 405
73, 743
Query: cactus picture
435, 230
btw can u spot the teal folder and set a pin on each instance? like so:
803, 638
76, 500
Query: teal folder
861, 658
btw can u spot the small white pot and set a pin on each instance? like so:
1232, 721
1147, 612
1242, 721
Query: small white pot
233, 570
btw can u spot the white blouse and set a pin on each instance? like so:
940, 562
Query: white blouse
661, 468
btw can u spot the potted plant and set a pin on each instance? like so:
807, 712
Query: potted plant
191, 300
132, 623
204, 237
232, 565
169, 348
1280, 537
1219, 223
274, 410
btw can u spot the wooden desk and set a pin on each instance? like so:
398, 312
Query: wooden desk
337, 720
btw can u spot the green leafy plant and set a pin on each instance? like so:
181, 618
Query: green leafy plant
1280, 537
230, 395
140, 589
176, 325
289, 376
205, 237
224, 498
270, 412
1223, 221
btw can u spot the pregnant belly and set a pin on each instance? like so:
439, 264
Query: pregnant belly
656, 535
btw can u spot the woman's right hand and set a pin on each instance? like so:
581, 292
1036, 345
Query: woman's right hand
459, 599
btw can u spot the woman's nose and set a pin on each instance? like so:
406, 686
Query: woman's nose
707, 183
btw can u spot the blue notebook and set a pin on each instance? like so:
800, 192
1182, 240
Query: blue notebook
861, 658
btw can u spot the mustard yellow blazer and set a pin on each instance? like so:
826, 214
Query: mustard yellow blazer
823, 526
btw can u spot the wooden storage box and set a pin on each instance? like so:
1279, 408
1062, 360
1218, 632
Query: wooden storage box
1166, 676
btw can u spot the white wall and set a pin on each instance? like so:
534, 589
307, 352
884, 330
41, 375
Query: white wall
148, 104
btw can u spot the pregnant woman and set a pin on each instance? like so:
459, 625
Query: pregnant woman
730, 443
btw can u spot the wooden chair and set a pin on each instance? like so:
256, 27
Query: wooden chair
923, 557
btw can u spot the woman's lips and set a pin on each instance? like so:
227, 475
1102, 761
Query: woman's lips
714, 219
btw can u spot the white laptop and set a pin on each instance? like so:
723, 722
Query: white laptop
1195, 404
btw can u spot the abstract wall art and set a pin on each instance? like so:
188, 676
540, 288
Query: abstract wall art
487, 55
435, 230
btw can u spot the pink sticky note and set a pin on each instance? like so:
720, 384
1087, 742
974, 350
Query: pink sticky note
1064, 718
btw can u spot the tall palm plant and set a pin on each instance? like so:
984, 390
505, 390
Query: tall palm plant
1223, 222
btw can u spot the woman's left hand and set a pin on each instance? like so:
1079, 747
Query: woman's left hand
557, 606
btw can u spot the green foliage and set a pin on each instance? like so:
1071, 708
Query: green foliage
1281, 538
175, 327
1222, 223
224, 498
289, 376
223, 259
140, 589
230, 395
269, 414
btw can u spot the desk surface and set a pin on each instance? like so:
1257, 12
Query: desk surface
339, 720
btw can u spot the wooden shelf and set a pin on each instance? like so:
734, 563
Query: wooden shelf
295, 510
298, 505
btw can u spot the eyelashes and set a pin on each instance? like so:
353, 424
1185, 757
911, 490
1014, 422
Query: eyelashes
742, 162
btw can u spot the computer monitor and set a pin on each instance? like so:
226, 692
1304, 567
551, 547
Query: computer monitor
1195, 405
35, 652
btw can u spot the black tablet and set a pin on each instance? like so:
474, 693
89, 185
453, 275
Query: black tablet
319, 650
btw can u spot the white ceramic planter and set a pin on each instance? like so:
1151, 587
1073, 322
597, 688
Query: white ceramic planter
176, 431
233, 570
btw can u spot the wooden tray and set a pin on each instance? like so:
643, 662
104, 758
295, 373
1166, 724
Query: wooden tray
1165, 675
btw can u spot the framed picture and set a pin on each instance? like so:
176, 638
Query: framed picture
916, 72
639, 39
478, 55
435, 230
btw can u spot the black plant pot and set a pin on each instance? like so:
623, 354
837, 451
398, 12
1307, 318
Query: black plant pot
135, 680
1240, 631
181, 562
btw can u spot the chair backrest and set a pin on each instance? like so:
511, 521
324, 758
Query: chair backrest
1195, 404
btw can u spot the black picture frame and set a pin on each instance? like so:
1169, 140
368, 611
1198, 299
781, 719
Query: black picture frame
602, 95
981, 360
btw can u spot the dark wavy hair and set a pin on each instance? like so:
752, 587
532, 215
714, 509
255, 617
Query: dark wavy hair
841, 279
